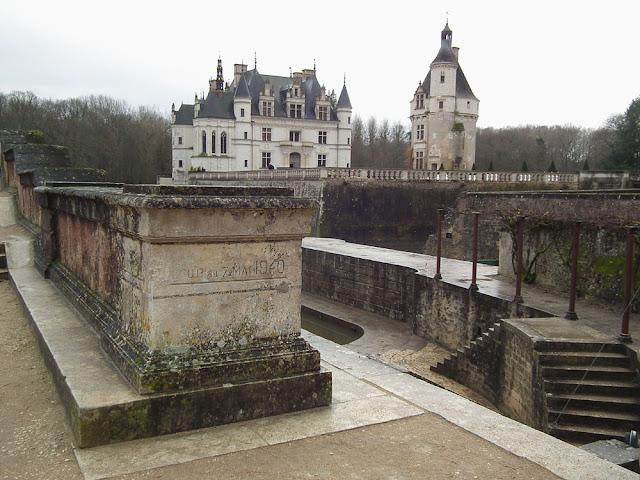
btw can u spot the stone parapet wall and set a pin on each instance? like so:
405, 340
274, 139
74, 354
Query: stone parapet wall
448, 314
453, 315
376, 287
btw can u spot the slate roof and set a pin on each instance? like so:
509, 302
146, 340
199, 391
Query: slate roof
184, 116
445, 55
250, 85
343, 101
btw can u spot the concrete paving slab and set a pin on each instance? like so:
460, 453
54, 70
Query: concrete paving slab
120, 459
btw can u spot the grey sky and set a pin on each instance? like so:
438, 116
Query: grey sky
542, 62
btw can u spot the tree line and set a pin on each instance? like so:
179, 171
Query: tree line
132, 145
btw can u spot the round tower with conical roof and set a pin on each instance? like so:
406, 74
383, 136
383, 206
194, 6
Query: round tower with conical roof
343, 112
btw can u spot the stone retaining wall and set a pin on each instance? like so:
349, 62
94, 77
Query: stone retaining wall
448, 314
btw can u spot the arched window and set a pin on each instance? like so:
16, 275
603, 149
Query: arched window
204, 142
223, 143
213, 142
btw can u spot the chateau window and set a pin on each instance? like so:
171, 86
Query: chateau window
420, 100
179, 140
349, 141
246, 163
223, 143
242, 112
323, 113
322, 137
434, 166
419, 160
440, 105
246, 135
204, 142
294, 136
266, 159
296, 92
179, 163
441, 77
420, 132
295, 111
468, 105
266, 134
349, 120
322, 160
213, 142
267, 109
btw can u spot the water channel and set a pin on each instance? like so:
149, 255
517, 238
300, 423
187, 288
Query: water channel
331, 328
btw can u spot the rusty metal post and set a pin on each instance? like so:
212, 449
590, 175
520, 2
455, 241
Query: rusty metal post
438, 276
520, 241
474, 284
575, 248
628, 286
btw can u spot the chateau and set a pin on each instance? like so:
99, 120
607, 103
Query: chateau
261, 121
444, 112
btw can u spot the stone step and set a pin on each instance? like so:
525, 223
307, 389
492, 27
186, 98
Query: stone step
583, 358
579, 347
584, 433
593, 402
596, 418
592, 387
599, 372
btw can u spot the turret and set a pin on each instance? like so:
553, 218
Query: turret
242, 101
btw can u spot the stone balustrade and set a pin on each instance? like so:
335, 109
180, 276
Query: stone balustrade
372, 174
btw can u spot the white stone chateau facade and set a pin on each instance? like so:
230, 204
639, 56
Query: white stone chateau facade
261, 122
444, 112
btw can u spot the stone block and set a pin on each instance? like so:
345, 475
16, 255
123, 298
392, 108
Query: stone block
191, 290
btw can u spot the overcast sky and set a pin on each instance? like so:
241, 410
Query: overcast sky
541, 63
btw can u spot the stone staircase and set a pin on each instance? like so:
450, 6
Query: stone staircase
4, 270
591, 390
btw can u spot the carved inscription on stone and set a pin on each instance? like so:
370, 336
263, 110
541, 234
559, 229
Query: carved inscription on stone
233, 271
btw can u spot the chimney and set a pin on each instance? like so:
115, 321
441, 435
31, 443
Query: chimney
455, 52
238, 70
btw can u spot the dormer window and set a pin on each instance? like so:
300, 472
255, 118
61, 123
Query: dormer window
267, 109
323, 113
296, 92
420, 100
295, 110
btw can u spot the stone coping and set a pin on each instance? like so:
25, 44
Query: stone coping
231, 191
116, 196
620, 194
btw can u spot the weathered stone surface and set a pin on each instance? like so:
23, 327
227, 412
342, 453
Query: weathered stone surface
188, 291
162, 414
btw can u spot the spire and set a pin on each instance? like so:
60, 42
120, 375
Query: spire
219, 78
243, 89
343, 101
